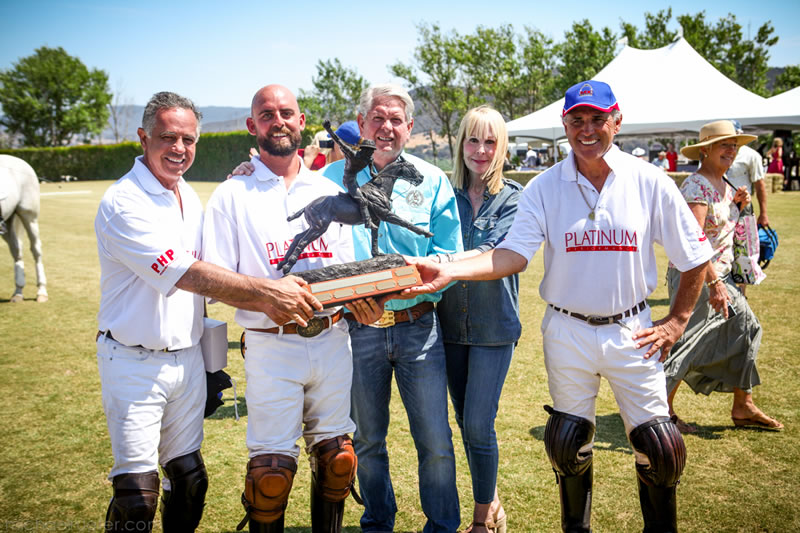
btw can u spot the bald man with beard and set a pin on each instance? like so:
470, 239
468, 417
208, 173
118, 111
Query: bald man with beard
298, 376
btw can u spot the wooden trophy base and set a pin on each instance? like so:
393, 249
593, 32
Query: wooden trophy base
338, 284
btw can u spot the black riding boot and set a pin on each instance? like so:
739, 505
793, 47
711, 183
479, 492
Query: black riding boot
576, 502
659, 508
267, 527
326, 516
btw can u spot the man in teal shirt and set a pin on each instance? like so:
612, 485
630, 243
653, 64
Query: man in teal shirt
407, 338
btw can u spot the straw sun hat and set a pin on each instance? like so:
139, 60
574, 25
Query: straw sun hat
714, 132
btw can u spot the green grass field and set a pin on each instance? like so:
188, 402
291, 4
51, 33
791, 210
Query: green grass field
55, 452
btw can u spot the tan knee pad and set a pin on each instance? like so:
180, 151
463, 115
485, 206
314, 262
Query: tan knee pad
267, 486
334, 465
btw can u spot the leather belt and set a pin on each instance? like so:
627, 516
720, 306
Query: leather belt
604, 320
390, 318
108, 335
315, 326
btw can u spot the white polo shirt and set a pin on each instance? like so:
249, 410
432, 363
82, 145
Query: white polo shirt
146, 243
606, 265
246, 228
747, 168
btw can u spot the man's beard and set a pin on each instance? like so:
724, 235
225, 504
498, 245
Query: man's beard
274, 147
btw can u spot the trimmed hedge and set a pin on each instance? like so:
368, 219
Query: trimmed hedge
217, 154
86, 162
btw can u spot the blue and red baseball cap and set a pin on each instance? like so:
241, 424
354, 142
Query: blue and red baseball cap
349, 132
592, 93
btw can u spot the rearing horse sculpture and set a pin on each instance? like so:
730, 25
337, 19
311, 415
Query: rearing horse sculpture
360, 205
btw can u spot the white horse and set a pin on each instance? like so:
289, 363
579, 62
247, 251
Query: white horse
19, 203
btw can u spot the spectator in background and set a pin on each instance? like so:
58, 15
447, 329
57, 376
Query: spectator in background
718, 350
640, 153
672, 157
349, 133
747, 171
661, 161
315, 155
531, 158
774, 158
323, 151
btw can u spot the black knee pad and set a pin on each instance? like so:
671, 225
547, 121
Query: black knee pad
133, 506
661, 442
182, 505
334, 466
564, 436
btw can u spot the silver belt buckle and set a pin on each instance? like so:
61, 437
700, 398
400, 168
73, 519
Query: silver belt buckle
314, 328
599, 320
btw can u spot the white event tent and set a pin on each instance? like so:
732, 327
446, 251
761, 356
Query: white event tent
780, 112
668, 90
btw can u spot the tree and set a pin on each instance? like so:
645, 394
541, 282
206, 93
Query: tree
655, 34
437, 56
490, 68
537, 61
335, 95
744, 61
119, 114
583, 53
788, 79
50, 97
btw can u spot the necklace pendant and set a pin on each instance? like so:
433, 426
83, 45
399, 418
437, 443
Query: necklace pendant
591, 215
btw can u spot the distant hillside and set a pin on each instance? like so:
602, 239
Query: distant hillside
215, 119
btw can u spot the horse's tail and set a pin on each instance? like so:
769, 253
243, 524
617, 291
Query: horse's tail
295, 215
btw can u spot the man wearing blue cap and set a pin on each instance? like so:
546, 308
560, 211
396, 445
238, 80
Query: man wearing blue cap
597, 215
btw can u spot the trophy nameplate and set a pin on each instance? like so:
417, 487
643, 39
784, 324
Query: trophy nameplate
339, 284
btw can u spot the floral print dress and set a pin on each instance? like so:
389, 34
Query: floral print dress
720, 219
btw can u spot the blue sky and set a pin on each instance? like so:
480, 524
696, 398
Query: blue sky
220, 53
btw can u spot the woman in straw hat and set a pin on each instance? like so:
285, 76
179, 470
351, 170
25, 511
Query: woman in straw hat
718, 350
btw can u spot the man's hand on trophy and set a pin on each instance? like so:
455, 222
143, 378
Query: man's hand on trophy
434, 276
367, 310
289, 299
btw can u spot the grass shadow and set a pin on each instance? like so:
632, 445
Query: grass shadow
609, 434
657, 301
227, 410
302, 529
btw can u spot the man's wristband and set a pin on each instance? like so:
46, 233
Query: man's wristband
713, 282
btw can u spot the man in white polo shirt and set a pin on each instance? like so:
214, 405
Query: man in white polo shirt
597, 215
149, 228
298, 378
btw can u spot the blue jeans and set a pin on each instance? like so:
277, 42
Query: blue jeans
414, 352
475, 377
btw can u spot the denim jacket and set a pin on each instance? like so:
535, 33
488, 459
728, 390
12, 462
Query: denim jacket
484, 313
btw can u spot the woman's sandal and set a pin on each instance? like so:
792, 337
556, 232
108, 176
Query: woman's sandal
753, 421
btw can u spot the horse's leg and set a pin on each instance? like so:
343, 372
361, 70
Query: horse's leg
14, 241
290, 258
32, 228
392, 218
299, 244
375, 251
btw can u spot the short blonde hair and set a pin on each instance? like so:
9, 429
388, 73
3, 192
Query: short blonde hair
479, 122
